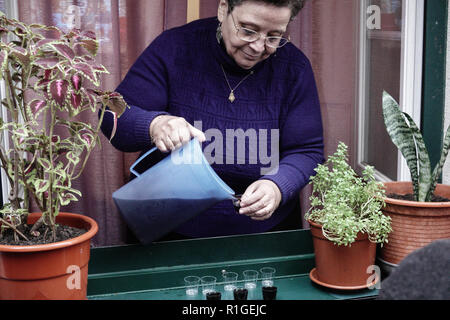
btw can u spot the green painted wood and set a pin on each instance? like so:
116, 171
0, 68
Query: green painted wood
435, 52
156, 272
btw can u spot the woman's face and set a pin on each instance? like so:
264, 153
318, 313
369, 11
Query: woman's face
266, 19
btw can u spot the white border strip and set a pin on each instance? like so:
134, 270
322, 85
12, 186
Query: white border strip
410, 77
12, 11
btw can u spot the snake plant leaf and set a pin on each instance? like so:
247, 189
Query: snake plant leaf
438, 168
424, 162
402, 136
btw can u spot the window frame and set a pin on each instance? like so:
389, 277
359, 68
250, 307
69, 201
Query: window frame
12, 11
412, 39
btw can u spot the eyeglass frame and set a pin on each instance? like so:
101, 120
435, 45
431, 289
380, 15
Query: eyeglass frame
288, 39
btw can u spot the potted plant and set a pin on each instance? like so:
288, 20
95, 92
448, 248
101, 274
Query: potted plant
420, 209
346, 222
50, 78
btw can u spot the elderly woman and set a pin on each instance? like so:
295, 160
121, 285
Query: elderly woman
235, 83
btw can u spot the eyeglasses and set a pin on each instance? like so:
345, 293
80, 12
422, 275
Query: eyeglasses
250, 35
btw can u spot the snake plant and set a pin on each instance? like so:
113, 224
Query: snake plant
407, 137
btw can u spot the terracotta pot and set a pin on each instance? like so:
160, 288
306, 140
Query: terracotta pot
56, 271
342, 266
414, 224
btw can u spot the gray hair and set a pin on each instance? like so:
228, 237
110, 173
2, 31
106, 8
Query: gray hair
294, 5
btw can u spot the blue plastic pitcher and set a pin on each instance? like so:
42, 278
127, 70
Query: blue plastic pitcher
171, 192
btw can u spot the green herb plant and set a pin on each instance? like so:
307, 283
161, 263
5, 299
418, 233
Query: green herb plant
406, 136
345, 204
50, 77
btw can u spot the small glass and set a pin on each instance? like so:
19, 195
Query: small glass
250, 279
213, 296
240, 293
191, 283
267, 274
230, 279
269, 293
208, 284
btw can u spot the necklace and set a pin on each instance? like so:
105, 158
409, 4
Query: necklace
232, 97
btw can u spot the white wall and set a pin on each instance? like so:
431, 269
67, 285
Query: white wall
446, 171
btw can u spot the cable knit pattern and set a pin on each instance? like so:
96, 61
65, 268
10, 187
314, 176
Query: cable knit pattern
180, 74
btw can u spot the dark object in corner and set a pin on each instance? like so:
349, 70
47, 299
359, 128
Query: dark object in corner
213, 296
422, 275
269, 293
240, 294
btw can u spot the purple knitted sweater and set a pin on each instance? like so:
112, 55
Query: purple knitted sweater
180, 74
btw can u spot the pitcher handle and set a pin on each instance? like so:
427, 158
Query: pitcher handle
139, 160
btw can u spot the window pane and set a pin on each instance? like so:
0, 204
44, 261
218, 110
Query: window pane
384, 48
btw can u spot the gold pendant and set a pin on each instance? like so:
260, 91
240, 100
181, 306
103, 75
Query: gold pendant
231, 97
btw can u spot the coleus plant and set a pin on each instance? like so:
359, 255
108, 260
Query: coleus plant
406, 136
50, 77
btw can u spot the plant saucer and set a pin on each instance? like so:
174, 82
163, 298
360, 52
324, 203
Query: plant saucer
314, 278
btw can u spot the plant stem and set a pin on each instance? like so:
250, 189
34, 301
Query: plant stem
93, 143
52, 168
14, 228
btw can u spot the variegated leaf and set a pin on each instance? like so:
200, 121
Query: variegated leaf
41, 185
47, 62
424, 161
44, 163
98, 68
41, 84
402, 136
21, 56
36, 106
116, 103
50, 32
114, 129
66, 198
87, 71
90, 45
45, 42
76, 81
64, 50
47, 74
58, 90
91, 97
89, 34
72, 158
37, 26
87, 139
75, 99
438, 168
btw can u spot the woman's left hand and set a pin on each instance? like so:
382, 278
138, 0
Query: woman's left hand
260, 200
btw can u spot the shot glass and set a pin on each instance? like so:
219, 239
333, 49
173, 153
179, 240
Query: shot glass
208, 284
213, 296
267, 274
229, 279
269, 293
240, 293
250, 279
191, 283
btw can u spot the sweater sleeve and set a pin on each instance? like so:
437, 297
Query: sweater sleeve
145, 89
301, 138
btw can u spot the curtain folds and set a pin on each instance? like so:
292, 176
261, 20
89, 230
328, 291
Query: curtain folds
126, 27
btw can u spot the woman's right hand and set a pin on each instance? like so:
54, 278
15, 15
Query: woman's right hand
170, 132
